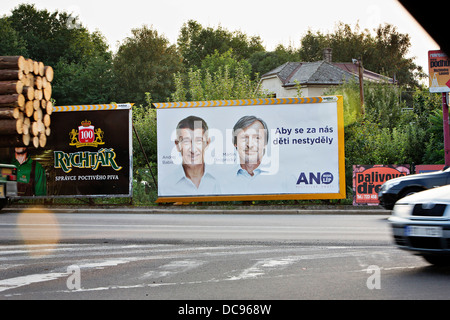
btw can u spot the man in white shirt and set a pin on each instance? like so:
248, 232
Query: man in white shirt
250, 138
192, 177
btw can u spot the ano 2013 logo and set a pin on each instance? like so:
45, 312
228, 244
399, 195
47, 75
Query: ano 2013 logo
315, 178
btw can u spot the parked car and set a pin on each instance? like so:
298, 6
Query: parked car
8, 183
393, 190
421, 224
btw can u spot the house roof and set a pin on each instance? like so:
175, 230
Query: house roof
320, 72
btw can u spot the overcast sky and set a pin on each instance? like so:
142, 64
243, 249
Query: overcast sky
276, 22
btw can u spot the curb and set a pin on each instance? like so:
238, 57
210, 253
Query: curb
187, 210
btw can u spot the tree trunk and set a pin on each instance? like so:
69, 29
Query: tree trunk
14, 140
11, 87
9, 113
29, 109
13, 100
48, 71
47, 91
8, 126
42, 140
28, 92
25, 106
12, 62
6, 74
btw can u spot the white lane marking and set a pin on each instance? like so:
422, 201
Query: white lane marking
17, 282
12, 283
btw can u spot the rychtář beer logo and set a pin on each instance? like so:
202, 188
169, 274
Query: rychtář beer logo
86, 135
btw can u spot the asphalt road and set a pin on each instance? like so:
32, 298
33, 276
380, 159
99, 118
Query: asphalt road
204, 257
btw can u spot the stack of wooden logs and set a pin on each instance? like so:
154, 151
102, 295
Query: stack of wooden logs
25, 106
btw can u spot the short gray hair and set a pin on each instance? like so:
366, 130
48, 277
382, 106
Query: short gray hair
246, 121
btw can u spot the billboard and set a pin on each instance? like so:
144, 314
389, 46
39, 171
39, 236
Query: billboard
367, 181
424, 168
256, 149
89, 151
439, 71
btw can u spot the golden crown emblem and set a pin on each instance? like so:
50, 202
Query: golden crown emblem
85, 123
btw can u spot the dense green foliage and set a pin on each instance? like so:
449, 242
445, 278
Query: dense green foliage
215, 63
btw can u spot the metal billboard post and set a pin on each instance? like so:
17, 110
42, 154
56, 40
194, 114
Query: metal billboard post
446, 129
439, 75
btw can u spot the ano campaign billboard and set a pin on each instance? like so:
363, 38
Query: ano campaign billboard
89, 151
256, 149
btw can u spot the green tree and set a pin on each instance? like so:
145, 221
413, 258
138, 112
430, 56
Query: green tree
312, 45
263, 61
81, 60
222, 76
215, 62
387, 133
383, 104
90, 82
144, 121
145, 62
195, 43
11, 43
383, 52
202, 85
50, 36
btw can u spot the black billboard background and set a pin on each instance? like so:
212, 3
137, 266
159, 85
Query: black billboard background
87, 182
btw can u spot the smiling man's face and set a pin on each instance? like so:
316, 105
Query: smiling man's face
250, 143
192, 145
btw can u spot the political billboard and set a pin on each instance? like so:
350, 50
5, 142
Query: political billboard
89, 151
252, 149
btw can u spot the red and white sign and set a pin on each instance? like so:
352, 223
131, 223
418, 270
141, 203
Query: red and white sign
439, 71
86, 134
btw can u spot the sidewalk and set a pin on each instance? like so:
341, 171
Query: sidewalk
185, 209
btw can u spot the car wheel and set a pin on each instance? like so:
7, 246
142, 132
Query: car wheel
438, 260
3, 203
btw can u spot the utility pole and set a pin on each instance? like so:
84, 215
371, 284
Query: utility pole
439, 70
361, 82
446, 129
361, 85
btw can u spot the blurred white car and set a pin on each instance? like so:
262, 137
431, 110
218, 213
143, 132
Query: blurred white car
421, 224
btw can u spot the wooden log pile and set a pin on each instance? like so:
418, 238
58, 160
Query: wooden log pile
25, 105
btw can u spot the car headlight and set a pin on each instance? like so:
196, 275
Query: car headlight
403, 210
389, 185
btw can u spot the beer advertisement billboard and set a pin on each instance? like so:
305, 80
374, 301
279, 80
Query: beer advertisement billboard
89, 152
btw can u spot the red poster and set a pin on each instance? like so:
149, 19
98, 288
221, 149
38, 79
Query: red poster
367, 180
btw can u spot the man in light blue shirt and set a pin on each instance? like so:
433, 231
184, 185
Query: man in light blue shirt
192, 177
250, 138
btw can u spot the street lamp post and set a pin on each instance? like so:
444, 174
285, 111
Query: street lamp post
361, 82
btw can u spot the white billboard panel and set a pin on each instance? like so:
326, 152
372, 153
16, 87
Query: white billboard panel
251, 149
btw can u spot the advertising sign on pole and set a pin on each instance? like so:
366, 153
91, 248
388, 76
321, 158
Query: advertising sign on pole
367, 181
439, 71
89, 151
257, 149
